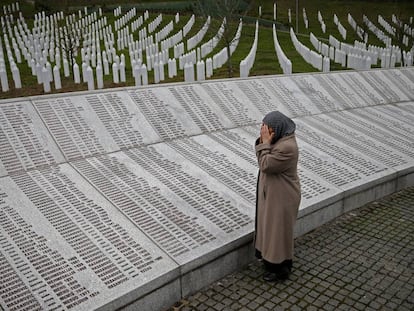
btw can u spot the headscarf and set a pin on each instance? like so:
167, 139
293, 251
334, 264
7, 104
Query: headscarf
281, 124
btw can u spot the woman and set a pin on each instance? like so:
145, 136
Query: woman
278, 195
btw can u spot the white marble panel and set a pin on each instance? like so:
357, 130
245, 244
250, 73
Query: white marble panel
335, 127
86, 125
356, 84
234, 103
343, 96
257, 94
80, 252
383, 86
334, 161
25, 141
398, 141
310, 88
287, 97
184, 210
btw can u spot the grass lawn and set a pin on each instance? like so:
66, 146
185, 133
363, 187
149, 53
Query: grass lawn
266, 62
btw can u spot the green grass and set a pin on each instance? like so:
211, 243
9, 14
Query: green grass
266, 62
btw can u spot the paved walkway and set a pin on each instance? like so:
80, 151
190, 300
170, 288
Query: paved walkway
363, 260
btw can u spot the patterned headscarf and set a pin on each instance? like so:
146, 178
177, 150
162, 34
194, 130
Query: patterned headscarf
281, 124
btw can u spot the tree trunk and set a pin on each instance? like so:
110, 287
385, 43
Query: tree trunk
229, 63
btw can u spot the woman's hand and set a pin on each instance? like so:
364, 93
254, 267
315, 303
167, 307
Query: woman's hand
266, 134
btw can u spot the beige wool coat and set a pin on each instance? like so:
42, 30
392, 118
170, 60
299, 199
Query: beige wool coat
278, 198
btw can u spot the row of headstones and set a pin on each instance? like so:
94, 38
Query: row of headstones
126, 18
305, 19
66, 70
175, 40
9, 51
359, 57
11, 8
124, 37
140, 72
388, 56
198, 37
220, 58
407, 29
200, 52
376, 31
171, 63
313, 58
3, 73
164, 32
386, 25
35, 54
354, 57
194, 57
45, 75
247, 63
391, 30
321, 21
38, 45
207, 47
341, 28
153, 52
115, 79
205, 69
284, 62
359, 30
15, 71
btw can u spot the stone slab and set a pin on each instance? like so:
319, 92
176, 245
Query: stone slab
81, 252
343, 95
402, 82
361, 89
232, 101
397, 139
183, 209
25, 142
321, 100
357, 135
334, 161
227, 212
97, 123
383, 86
179, 111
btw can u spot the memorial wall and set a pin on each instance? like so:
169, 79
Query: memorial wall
112, 197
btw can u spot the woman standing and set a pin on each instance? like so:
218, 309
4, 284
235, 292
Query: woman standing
278, 195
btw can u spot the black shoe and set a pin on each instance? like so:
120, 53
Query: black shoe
283, 274
270, 276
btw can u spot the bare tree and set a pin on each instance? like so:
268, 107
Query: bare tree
401, 24
231, 11
69, 42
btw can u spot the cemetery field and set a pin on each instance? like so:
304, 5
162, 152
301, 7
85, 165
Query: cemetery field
265, 59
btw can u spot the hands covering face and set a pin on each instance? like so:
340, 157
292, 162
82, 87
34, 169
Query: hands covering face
266, 134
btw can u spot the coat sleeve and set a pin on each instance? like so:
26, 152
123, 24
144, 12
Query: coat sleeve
273, 160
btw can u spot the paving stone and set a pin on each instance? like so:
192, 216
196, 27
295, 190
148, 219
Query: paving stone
252, 305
